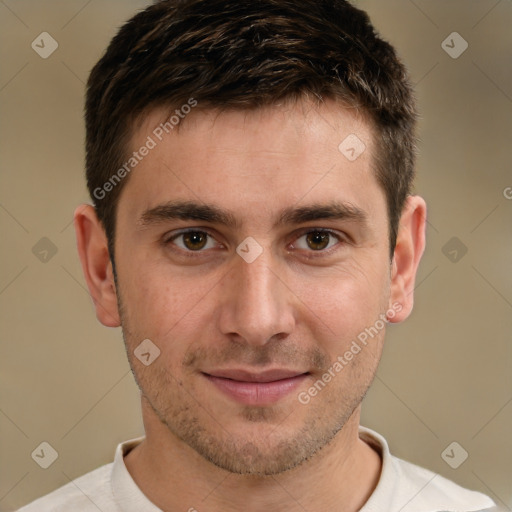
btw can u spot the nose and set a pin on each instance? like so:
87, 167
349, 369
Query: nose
256, 305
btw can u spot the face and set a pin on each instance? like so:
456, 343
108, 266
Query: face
254, 254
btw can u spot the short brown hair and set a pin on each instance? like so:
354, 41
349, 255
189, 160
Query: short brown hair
229, 54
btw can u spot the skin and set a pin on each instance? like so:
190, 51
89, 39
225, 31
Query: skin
299, 305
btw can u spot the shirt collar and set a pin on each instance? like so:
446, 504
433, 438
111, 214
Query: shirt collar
406, 487
402, 486
127, 494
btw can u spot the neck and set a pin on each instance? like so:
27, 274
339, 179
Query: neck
175, 477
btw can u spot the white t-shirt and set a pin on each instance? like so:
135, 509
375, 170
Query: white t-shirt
402, 487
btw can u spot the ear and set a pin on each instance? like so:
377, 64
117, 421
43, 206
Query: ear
409, 248
96, 264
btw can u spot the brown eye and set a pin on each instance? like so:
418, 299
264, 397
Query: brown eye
318, 240
194, 240
321, 241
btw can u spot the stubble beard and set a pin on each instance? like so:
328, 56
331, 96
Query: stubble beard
281, 450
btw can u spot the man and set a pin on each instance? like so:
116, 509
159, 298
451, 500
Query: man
253, 232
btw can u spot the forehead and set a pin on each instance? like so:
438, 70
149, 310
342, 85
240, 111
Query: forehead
287, 126
254, 160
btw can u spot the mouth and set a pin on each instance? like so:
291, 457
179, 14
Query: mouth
256, 388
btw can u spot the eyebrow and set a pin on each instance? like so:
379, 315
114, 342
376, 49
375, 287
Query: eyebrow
190, 210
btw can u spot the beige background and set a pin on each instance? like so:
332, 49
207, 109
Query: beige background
446, 372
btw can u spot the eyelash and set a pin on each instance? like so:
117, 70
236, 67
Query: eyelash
322, 252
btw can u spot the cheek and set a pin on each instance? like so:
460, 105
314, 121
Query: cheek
164, 306
348, 309
352, 294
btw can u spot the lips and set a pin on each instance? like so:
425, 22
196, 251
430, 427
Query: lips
267, 376
256, 388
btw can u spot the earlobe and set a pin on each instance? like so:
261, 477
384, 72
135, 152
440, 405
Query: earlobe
96, 265
409, 248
